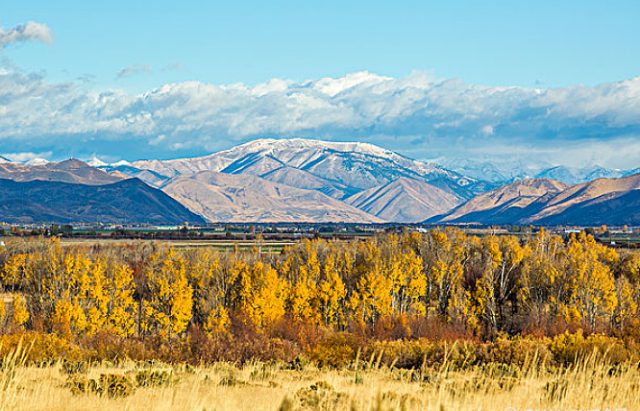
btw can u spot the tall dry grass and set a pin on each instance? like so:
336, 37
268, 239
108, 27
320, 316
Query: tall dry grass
590, 383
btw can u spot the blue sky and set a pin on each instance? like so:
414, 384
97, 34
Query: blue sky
140, 79
548, 43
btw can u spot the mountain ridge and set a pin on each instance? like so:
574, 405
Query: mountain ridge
601, 201
123, 202
69, 171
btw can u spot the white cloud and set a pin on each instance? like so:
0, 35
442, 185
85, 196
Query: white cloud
419, 115
26, 32
487, 130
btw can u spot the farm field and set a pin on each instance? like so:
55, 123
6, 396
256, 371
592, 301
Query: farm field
181, 244
260, 386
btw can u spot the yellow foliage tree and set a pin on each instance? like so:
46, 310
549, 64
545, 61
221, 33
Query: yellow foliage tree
20, 311
372, 298
168, 306
331, 293
589, 282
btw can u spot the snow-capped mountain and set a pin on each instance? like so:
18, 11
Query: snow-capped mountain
500, 171
356, 165
337, 169
572, 175
36, 162
494, 170
96, 162
631, 172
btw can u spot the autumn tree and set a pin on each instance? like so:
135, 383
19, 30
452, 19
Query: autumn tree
168, 307
589, 283
541, 286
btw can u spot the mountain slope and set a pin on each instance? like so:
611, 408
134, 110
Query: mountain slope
247, 198
613, 209
404, 200
124, 202
295, 177
150, 177
548, 202
503, 205
584, 193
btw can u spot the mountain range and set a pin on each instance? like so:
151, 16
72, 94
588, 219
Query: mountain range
306, 180
314, 181
500, 171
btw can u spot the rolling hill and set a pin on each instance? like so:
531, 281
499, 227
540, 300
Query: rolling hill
124, 202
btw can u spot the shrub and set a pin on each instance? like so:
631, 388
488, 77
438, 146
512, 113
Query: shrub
74, 367
569, 348
401, 353
83, 386
41, 348
149, 378
230, 380
115, 385
112, 385
297, 364
335, 351
455, 356
261, 372
517, 351
320, 396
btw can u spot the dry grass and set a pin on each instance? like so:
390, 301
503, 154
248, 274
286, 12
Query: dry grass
257, 386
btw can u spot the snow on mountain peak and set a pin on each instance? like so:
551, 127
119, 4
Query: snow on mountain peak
96, 162
37, 162
270, 146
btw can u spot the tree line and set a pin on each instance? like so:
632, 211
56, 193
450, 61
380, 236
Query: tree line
385, 287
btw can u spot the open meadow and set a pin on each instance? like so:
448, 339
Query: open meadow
259, 386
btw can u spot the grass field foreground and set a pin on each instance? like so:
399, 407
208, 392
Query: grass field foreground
589, 384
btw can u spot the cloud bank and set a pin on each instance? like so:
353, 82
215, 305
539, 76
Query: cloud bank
30, 31
419, 115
